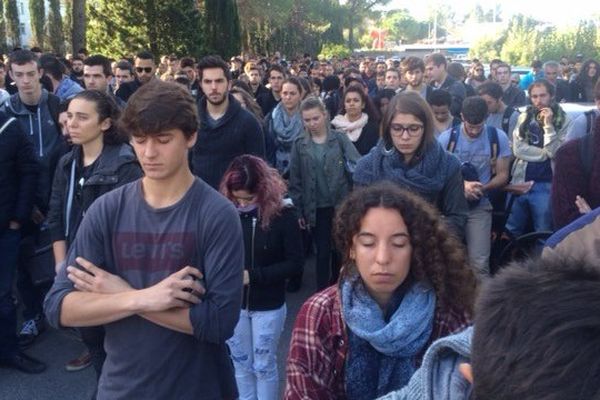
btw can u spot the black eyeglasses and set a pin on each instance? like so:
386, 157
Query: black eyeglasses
144, 69
413, 130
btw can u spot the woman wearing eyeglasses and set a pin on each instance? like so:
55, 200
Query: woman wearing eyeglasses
409, 156
99, 161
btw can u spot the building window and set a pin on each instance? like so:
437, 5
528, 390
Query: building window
22, 29
21, 8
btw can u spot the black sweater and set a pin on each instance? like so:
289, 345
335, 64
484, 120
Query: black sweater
368, 137
277, 255
18, 174
237, 132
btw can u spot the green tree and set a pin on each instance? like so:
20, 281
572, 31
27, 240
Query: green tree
520, 47
356, 11
11, 17
222, 27
120, 28
37, 13
55, 28
486, 48
401, 26
68, 25
79, 24
3, 35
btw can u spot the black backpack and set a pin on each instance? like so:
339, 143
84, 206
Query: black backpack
506, 120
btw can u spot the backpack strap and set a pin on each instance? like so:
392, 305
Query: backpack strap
508, 112
453, 139
492, 134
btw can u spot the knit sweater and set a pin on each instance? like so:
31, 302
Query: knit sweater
569, 181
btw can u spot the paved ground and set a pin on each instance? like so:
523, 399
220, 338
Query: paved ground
57, 347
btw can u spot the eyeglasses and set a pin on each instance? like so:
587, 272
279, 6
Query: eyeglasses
398, 130
143, 69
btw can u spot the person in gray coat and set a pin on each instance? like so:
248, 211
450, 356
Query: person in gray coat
321, 165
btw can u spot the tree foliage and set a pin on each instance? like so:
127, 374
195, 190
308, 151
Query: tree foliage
119, 28
11, 16
223, 30
526, 40
402, 27
357, 10
329, 50
289, 26
37, 14
3, 46
56, 35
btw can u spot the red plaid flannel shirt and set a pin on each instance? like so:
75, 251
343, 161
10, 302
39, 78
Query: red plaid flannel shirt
315, 365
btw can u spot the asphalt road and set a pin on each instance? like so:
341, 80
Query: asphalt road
56, 348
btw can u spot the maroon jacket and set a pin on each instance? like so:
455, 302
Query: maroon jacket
569, 180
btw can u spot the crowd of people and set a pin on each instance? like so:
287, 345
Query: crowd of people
181, 198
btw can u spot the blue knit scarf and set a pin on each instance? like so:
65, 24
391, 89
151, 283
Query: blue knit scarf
426, 175
286, 128
381, 355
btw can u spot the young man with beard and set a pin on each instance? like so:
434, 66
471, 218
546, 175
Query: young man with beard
435, 68
227, 130
145, 71
254, 81
540, 131
77, 70
159, 263
270, 98
413, 69
512, 96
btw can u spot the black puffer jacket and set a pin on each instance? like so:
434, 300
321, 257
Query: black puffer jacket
271, 257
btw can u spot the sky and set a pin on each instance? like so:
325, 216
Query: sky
557, 12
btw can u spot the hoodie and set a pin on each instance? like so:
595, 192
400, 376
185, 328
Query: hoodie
439, 377
41, 128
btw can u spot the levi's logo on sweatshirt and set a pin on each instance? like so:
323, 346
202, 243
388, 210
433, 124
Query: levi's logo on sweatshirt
154, 251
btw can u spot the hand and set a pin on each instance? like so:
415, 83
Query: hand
473, 190
175, 291
246, 277
36, 216
94, 279
582, 205
547, 115
302, 223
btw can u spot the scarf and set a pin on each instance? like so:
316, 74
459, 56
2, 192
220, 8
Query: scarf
381, 355
286, 129
426, 174
558, 120
352, 129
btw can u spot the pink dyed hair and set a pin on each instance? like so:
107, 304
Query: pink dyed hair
254, 175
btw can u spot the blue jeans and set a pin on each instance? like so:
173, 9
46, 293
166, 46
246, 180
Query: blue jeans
254, 353
9, 248
535, 205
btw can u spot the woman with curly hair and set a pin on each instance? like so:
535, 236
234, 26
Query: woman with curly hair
409, 155
273, 248
582, 87
405, 283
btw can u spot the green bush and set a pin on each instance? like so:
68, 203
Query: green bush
329, 50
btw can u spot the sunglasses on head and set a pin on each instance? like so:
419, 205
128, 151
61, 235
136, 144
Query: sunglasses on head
145, 69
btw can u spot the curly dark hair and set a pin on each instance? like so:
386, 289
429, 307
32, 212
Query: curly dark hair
437, 254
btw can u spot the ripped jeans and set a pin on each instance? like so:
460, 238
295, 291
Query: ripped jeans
254, 353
